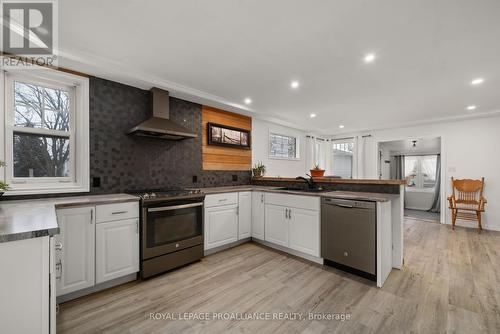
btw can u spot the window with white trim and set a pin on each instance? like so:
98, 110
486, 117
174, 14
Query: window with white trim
343, 158
421, 170
46, 132
283, 147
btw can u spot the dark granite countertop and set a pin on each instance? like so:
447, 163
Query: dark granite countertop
362, 196
26, 219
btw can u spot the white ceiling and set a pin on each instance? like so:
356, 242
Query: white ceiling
423, 146
219, 52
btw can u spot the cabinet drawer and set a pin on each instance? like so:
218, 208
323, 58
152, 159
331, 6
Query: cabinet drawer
293, 201
221, 199
116, 211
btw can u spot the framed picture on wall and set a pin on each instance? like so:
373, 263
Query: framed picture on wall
223, 135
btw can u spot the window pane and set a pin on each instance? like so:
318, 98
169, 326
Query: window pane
411, 171
40, 107
429, 170
282, 146
342, 159
40, 156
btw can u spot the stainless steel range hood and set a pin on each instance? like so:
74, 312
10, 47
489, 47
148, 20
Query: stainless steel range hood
160, 125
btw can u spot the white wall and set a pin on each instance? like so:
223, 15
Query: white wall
260, 149
470, 150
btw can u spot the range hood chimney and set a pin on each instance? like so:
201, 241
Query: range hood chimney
160, 125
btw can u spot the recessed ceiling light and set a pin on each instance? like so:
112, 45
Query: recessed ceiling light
294, 84
341, 126
312, 115
248, 100
470, 108
369, 58
477, 81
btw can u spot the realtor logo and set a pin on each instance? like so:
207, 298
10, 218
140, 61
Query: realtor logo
29, 30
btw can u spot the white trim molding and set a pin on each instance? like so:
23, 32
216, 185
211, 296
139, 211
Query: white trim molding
78, 135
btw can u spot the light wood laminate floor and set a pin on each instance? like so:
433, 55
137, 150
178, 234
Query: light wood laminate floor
450, 283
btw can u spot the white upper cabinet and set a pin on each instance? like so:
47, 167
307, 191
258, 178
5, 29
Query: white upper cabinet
258, 214
276, 227
75, 249
245, 215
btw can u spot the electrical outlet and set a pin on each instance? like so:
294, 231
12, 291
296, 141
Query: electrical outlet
235, 178
96, 182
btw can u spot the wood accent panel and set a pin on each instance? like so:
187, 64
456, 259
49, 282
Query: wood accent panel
332, 180
224, 158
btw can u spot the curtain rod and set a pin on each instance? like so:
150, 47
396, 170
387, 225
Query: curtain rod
334, 139
318, 138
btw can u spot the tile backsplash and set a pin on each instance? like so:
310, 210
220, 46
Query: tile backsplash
122, 161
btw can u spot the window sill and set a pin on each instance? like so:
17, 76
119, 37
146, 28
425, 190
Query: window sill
286, 159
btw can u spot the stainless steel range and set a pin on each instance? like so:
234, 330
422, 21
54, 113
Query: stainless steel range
171, 229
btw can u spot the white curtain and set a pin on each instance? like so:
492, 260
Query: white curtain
325, 156
310, 153
319, 152
359, 144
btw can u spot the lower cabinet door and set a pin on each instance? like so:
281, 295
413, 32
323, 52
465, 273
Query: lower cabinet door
221, 225
304, 231
245, 215
276, 227
258, 215
75, 249
117, 249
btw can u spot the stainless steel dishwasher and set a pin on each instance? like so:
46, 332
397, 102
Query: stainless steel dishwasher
348, 235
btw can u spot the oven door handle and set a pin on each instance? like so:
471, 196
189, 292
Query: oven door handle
175, 207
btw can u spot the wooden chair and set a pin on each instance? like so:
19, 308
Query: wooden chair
467, 201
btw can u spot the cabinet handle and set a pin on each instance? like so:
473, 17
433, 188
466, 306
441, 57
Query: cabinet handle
91, 216
237, 210
59, 266
286, 213
137, 227
58, 246
262, 198
118, 212
289, 213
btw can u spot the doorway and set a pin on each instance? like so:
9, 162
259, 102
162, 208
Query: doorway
419, 161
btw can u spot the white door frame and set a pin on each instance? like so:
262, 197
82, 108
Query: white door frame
377, 143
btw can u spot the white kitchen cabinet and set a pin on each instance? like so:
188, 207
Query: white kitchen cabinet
258, 215
75, 249
304, 231
221, 225
26, 305
244, 215
276, 226
117, 249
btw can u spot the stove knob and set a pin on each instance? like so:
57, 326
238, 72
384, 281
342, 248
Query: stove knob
145, 196
152, 195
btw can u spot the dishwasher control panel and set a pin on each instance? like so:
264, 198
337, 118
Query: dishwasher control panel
349, 203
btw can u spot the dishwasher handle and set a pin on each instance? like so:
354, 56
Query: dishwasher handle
342, 205
349, 204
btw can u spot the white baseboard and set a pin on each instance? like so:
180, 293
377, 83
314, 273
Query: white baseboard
473, 224
311, 258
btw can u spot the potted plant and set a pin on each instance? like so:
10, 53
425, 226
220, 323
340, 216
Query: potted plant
3, 186
317, 171
259, 170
